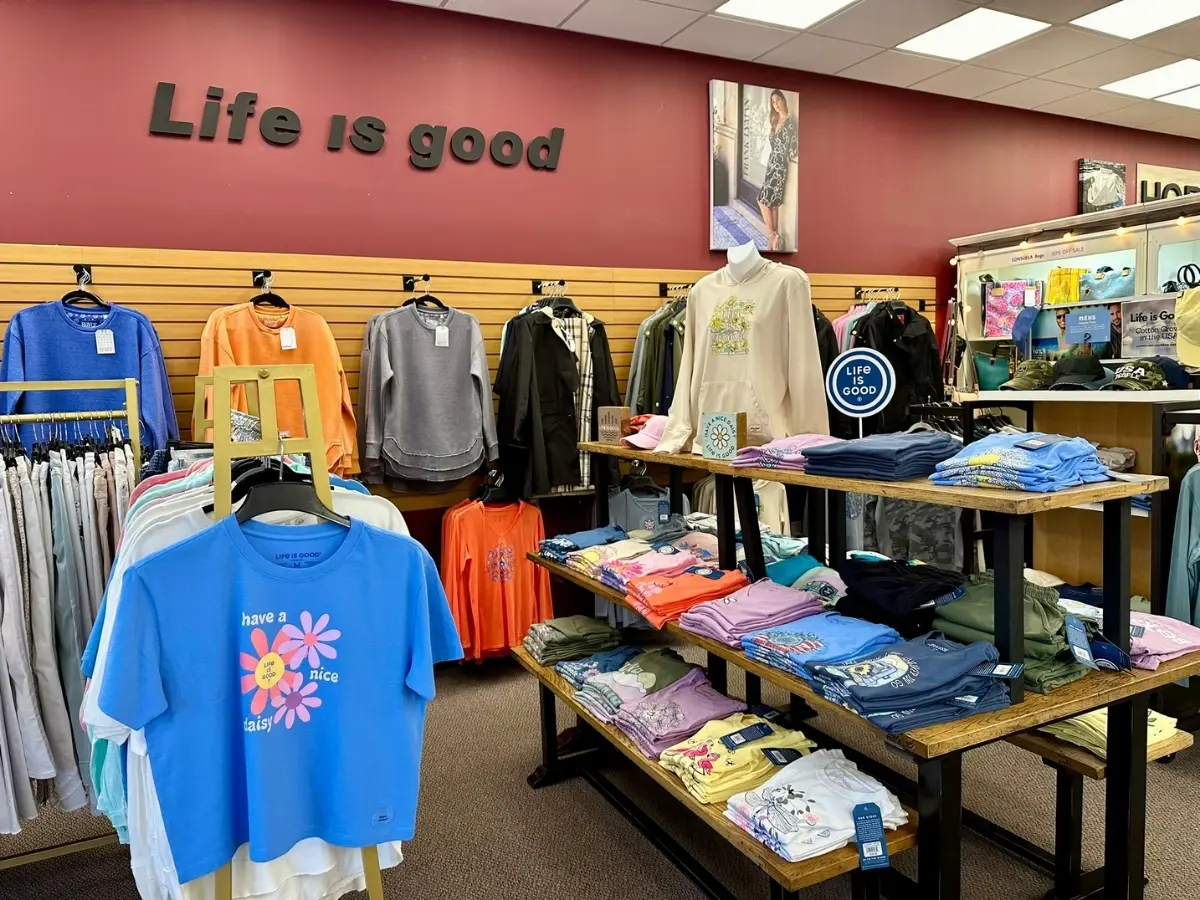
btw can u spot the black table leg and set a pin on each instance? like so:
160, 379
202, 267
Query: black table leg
726, 525
1068, 833
939, 835
1125, 790
747, 509
600, 481
864, 885
676, 490
1009, 601
816, 524
753, 689
718, 672
1116, 572
778, 892
837, 529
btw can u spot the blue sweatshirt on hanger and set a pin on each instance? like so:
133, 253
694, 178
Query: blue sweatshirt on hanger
55, 342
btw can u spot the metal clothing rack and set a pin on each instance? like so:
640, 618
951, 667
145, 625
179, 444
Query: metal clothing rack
133, 421
272, 442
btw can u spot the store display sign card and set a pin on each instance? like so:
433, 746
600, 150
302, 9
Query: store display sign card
869, 835
613, 424
1148, 328
721, 434
1089, 325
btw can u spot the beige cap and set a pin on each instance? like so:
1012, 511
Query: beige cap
1187, 327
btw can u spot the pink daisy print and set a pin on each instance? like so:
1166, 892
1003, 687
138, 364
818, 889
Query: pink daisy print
267, 675
293, 704
310, 642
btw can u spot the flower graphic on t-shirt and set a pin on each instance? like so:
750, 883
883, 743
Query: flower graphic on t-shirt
310, 642
500, 563
268, 670
294, 703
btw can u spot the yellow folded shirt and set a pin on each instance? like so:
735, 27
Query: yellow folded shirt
1090, 730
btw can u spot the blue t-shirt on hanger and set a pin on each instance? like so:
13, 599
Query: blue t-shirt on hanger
281, 676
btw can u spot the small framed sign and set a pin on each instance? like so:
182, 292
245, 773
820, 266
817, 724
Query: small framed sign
721, 434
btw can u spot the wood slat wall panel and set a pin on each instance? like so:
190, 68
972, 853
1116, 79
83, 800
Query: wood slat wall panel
179, 289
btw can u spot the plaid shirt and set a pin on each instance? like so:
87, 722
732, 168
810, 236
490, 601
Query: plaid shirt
576, 333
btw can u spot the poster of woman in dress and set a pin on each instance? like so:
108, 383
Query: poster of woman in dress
755, 142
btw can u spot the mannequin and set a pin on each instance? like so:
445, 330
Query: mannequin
743, 260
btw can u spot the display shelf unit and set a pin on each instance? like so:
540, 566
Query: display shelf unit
939, 779
1005, 398
787, 877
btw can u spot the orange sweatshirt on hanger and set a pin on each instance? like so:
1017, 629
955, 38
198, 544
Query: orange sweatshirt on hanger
246, 335
495, 593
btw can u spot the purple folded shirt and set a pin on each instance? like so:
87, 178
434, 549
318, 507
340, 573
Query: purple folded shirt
675, 713
782, 453
763, 604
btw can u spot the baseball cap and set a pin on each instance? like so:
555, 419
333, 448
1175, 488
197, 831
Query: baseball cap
649, 436
1187, 327
1073, 373
1177, 376
1140, 375
1022, 326
1031, 375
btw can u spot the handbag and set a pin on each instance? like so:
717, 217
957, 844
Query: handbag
1186, 278
991, 370
1062, 287
1106, 283
1003, 302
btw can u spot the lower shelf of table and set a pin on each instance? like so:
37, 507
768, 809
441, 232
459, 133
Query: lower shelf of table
1083, 761
791, 876
1093, 691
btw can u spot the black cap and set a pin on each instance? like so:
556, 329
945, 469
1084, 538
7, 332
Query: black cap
1076, 372
1176, 375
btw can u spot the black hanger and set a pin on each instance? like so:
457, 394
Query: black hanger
293, 496
410, 283
493, 490
262, 279
79, 296
427, 298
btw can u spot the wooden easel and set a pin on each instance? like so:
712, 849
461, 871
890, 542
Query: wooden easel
225, 451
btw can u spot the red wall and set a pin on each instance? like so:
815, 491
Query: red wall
887, 175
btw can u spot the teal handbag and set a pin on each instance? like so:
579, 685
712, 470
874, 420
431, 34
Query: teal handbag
1106, 283
991, 371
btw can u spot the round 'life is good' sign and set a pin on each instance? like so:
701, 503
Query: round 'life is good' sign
860, 383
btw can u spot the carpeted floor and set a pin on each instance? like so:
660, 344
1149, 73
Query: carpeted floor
483, 833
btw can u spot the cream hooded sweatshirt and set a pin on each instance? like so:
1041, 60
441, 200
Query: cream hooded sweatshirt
749, 346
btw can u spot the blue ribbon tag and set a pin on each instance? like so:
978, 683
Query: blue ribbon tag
868, 832
746, 735
781, 756
664, 511
1078, 639
998, 670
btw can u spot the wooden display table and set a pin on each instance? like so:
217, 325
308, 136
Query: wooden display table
788, 876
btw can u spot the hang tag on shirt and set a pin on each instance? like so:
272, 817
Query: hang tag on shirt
664, 511
1044, 441
1031, 296
746, 735
1137, 630
1109, 656
441, 336
105, 345
868, 833
763, 711
970, 701
950, 597
781, 756
998, 670
1080, 646
287, 338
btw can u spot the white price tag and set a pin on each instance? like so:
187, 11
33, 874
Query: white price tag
287, 338
441, 336
1031, 296
104, 342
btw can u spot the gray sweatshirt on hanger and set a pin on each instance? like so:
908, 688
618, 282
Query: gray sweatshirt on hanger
429, 404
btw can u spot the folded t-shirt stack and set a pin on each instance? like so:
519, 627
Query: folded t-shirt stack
782, 453
806, 809
825, 582
660, 559
899, 594
713, 770
674, 713
780, 546
997, 462
1090, 730
603, 694
588, 561
882, 457
826, 637
921, 682
791, 569
1161, 638
569, 637
557, 548
577, 671
1049, 663
662, 599
753, 608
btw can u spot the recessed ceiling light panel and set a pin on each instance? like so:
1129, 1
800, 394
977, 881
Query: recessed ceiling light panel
789, 13
979, 31
1189, 98
1133, 18
1156, 82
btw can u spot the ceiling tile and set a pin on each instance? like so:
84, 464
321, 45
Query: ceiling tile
814, 53
1183, 38
698, 5
1140, 115
886, 23
966, 81
631, 20
896, 68
1185, 123
1030, 93
535, 12
1046, 50
730, 38
1087, 104
1111, 65
1057, 12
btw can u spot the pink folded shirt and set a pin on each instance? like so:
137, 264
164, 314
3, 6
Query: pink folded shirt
782, 453
763, 604
1163, 639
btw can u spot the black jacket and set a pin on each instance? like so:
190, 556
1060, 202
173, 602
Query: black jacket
840, 424
906, 338
537, 426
